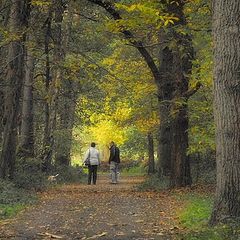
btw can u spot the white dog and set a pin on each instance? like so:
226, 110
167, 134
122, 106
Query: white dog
53, 178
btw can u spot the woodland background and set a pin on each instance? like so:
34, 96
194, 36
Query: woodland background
135, 72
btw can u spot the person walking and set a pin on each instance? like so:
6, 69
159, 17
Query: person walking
114, 161
92, 160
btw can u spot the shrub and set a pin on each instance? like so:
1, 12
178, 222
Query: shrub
69, 174
13, 199
10, 194
154, 183
29, 175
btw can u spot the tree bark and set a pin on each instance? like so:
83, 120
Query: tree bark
54, 26
58, 56
181, 174
182, 56
26, 146
18, 20
67, 105
165, 92
1, 113
226, 35
151, 164
64, 133
47, 158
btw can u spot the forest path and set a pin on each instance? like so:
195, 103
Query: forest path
103, 211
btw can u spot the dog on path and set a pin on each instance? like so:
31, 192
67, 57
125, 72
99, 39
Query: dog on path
53, 178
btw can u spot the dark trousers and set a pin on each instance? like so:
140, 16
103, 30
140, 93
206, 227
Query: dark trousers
92, 174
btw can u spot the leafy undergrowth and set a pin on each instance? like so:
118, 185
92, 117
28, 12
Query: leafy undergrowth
194, 211
22, 191
197, 210
153, 183
13, 199
134, 171
195, 214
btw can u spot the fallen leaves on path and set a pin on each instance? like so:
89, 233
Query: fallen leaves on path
103, 211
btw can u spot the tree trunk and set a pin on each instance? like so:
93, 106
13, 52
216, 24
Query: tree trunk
26, 148
58, 56
64, 133
180, 170
1, 114
227, 109
18, 20
47, 158
181, 174
177, 114
151, 164
52, 84
67, 105
165, 91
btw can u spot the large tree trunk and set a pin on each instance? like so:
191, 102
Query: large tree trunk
26, 146
181, 174
53, 84
63, 144
18, 20
165, 92
180, 170
58, 56
1, 113
182, 55
227, 108
151, 164
47, 158
67, 105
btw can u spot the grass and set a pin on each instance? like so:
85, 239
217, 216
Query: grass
134, 171
194, 217
197, 211
13, 199
8, 211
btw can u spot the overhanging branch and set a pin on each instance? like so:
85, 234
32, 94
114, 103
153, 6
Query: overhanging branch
128, 35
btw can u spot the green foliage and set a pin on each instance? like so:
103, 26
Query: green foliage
134, 171
217, 233
154, 183
29, 175
7, 211
13, 199
194, 217
69, 174
135, 146
201, 131
10, 194
196, 212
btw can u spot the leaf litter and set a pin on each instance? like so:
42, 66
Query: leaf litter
104, 211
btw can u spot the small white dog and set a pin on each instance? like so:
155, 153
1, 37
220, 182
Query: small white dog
53, 178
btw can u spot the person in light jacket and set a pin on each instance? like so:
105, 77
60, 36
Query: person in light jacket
92, 157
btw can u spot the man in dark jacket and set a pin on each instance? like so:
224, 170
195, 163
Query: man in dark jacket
114, 161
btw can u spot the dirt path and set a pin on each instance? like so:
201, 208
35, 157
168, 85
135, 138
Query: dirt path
103, 212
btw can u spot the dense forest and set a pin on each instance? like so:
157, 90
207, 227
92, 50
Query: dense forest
158, 77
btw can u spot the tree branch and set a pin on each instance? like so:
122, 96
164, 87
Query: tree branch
192, 91
129, 36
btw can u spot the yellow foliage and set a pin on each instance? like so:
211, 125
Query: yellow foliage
106, 131
148, 123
